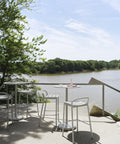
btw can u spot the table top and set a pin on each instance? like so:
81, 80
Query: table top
67, 86
15, 83
26, 91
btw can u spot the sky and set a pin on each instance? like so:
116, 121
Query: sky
77, 29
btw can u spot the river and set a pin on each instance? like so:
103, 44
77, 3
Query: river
110, 77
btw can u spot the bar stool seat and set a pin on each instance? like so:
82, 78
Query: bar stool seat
76, 103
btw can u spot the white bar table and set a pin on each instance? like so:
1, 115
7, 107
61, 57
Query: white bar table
66, 126
16, 116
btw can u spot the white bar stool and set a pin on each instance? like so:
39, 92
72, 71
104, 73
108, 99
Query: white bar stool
5, 96
46, 97
28, 93
79, 102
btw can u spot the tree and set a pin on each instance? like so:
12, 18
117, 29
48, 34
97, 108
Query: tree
15, 50
119, 65
51, 67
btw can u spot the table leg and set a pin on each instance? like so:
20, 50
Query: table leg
15, 101
68, 125
15, 116
66, 106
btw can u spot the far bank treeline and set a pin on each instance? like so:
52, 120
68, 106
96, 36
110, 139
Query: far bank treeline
58, 65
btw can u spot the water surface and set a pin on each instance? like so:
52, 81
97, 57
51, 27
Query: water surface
110, 77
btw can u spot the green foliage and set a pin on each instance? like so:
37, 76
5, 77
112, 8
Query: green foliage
119, 65
58, 65
16, 53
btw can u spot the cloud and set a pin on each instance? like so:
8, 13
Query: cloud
82, 12
59, 42
75, 41
79, 27
91, 34
114, 3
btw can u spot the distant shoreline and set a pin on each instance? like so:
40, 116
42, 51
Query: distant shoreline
65, 73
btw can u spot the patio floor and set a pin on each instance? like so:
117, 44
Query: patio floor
27, 131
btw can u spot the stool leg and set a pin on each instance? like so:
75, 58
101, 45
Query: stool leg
45, 108
56, 113
58, 108
63, 120
41, 113
7, 112
89, 121
72, 125
37, 105
42, 109
27, 106
12, 108
77, 117
19, 101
